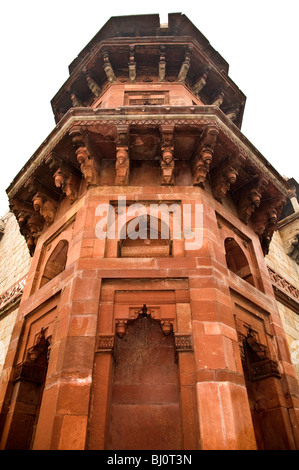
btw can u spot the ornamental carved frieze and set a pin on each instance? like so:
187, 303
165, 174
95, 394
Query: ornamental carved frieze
183, 342
202, 160
167, 158
105, 343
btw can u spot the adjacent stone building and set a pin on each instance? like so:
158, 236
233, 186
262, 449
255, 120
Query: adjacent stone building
156, 230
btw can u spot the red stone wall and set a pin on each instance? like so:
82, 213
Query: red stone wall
208, 308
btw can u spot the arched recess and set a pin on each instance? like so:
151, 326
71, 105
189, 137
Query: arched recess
145, 410
236, 260
56, 262
145, 236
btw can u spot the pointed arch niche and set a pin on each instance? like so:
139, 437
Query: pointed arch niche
56, 262
237, 261
146, 237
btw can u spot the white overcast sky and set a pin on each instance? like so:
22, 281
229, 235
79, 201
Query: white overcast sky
258, 38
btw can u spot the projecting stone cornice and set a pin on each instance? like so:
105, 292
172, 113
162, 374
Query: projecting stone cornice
195, 117
139, 60
70, 161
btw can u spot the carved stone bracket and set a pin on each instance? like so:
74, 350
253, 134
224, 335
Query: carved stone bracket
45, 206
167, 159
203, 157
132, 64
265, 221
162, 64
219, 99
76, 103
65, 175
200, 83
225, 176
122, 165
108, 67
249, 198
68, 182
185, 66
86, 157
92, 84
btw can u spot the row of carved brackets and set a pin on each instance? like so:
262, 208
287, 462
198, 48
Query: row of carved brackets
196, 89
263, 214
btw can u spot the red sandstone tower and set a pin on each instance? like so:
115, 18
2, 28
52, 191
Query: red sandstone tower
148, 320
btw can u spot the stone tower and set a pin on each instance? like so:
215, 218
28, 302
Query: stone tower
148, 320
